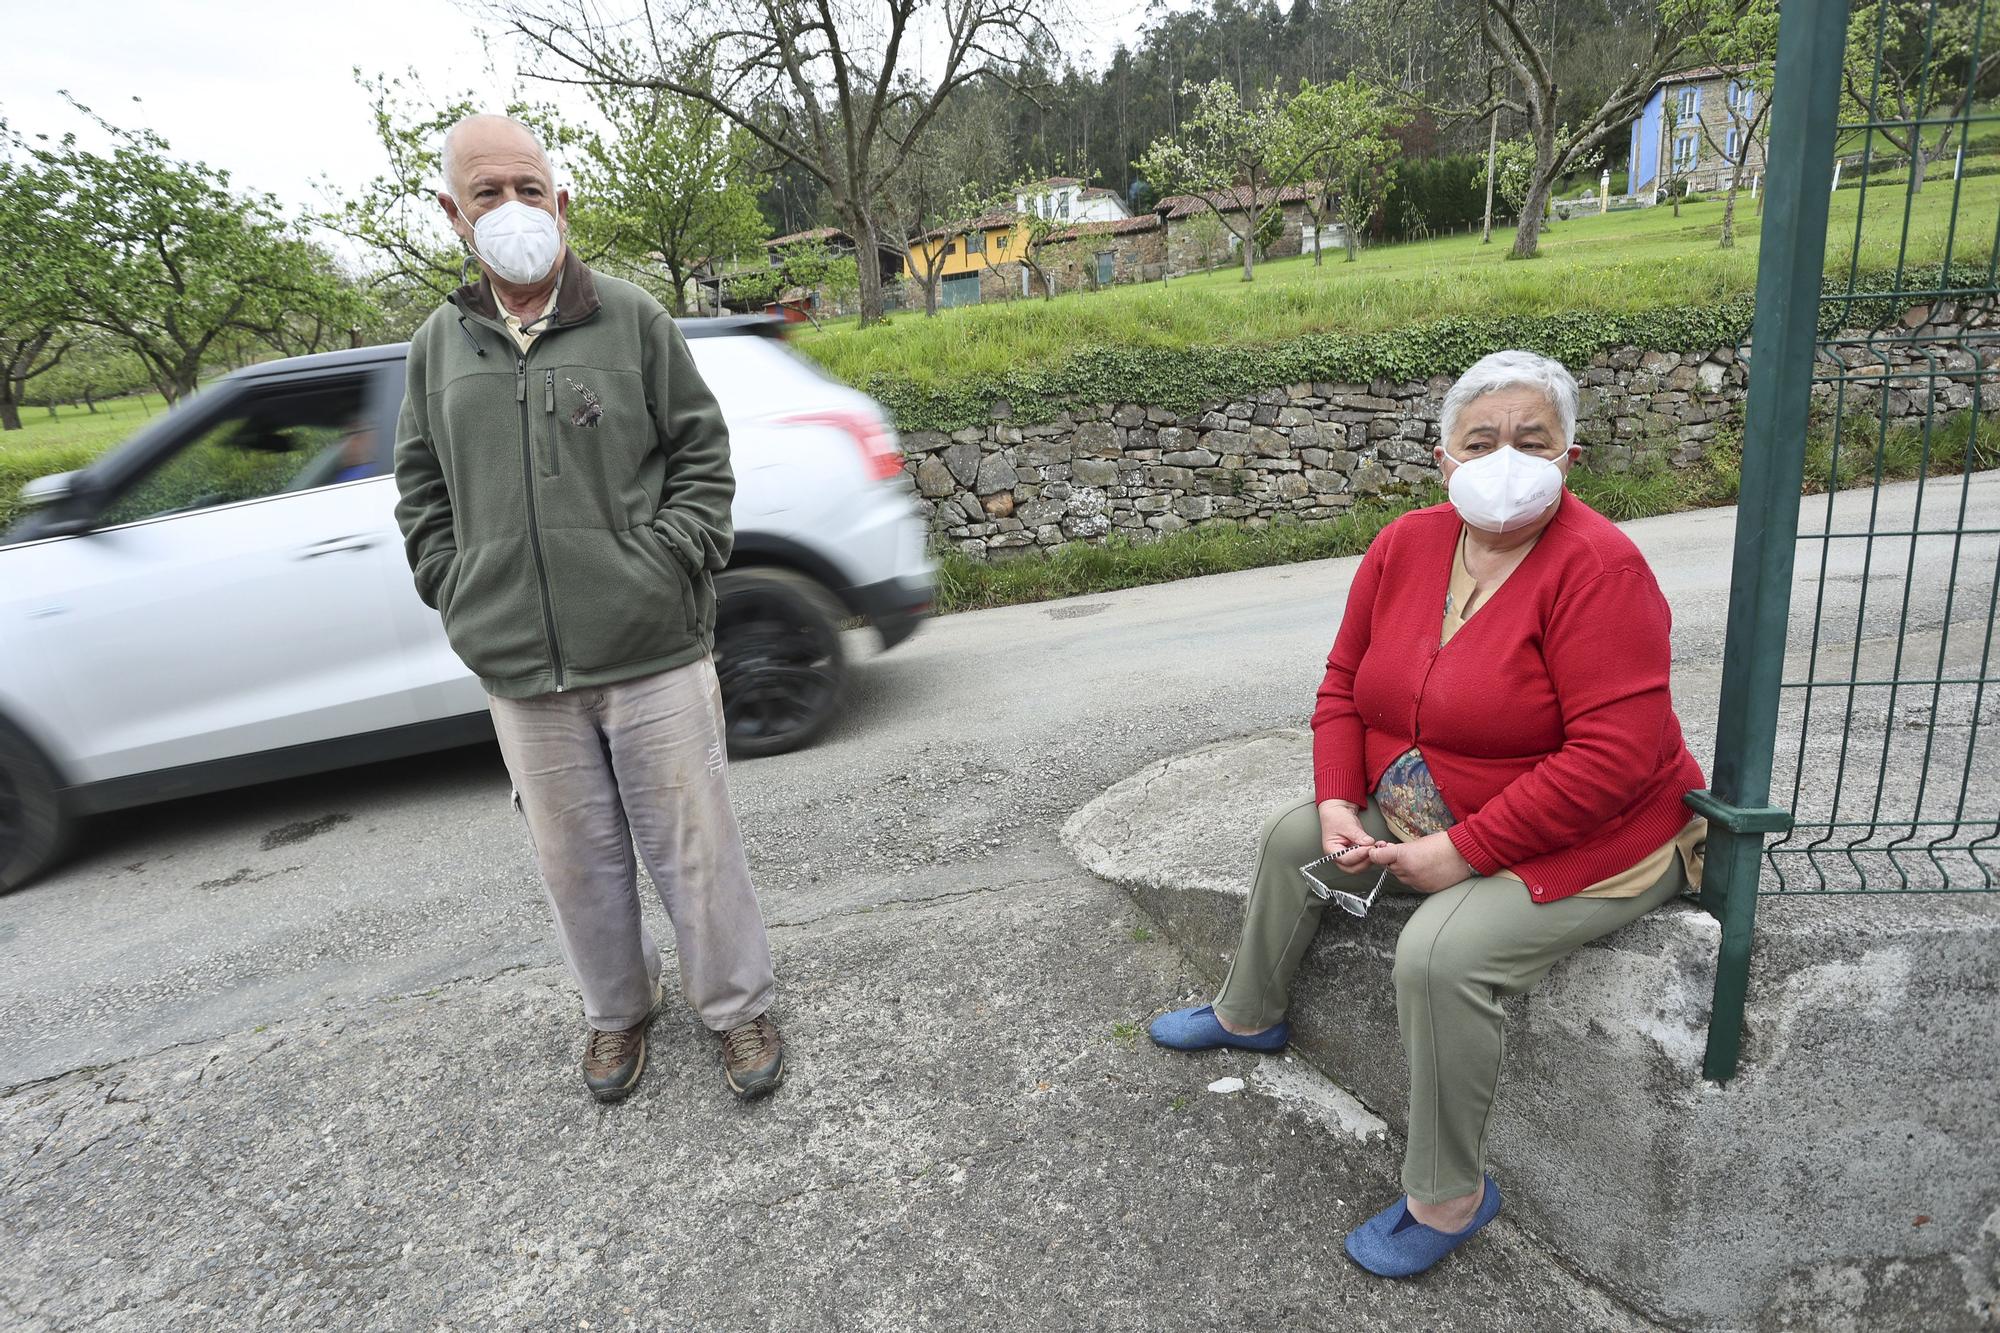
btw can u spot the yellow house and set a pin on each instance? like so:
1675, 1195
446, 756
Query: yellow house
962, 258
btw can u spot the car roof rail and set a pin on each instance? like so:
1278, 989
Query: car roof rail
735, 326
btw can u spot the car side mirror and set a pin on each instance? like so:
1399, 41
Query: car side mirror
60, 505
50, 490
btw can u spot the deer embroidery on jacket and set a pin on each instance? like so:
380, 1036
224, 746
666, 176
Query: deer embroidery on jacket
591, 412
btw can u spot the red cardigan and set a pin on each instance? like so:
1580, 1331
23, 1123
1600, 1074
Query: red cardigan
1546, 721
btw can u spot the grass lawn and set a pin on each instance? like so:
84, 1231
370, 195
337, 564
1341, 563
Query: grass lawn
113, 420
1622, 262
65, 441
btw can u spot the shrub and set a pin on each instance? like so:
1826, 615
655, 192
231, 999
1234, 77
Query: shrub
1868, 450
21, 464
1182, 378
1433, 195
964, 583
1647, 489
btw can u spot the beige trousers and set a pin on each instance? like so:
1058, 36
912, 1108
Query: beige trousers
641, 760
1465, 949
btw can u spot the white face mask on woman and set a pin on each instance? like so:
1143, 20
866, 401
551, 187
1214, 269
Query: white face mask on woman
518, 243
1505, 490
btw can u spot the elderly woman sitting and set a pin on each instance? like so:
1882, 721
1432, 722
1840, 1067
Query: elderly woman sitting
1494, 732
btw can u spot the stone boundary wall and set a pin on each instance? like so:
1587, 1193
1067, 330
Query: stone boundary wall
1310, 451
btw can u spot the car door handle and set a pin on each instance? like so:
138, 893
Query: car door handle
335, 545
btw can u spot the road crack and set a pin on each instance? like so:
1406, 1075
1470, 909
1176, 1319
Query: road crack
894, 904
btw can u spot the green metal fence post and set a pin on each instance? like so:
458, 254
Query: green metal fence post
1805, 105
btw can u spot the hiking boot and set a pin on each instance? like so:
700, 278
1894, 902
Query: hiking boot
613, 1061
753, 1058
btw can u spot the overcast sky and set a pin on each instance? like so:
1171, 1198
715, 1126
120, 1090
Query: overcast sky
264, 88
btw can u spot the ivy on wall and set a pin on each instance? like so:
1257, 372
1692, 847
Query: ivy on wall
1180, 380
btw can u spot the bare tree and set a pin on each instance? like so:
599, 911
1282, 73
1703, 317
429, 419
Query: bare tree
822, 83
1670, 182
1529, 56
1740, 37
940, 194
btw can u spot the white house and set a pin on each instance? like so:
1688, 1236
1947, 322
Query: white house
1067, 199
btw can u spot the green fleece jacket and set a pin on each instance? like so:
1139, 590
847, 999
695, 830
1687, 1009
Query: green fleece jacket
564, 509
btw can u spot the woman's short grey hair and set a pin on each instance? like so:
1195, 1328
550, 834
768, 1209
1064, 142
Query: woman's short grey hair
1512, 369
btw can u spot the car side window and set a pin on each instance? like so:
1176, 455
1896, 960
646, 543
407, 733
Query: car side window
277, 440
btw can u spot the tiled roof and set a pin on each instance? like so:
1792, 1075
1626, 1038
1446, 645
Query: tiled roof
1053, 180
1000, 221
816, 234
1700, 74
1178, 206
1099, 192
1116, 227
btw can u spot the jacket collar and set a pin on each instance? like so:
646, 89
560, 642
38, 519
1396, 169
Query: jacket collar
576, 299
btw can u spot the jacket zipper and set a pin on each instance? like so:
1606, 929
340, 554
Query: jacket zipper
548, 408
534, 521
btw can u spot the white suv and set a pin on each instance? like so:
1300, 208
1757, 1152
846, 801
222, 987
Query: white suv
224, 598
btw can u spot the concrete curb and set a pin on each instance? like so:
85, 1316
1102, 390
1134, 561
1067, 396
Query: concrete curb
1794, 1194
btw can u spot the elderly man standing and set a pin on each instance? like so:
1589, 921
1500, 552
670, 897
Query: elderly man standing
565, 488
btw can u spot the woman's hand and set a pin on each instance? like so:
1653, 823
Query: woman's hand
1426, 865
1341, 834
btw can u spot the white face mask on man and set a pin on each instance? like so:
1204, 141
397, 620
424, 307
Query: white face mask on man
1505, 490
517, 243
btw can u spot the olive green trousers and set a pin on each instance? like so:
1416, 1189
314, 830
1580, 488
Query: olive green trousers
1464, 950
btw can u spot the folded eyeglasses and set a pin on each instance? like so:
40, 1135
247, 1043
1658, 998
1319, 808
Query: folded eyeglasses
1351, 903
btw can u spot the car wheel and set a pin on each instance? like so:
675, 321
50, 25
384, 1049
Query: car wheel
778, 654
32, 827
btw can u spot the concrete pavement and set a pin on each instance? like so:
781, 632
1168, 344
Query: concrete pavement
302, 1053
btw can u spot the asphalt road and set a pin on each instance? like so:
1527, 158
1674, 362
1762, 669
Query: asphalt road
327, 1009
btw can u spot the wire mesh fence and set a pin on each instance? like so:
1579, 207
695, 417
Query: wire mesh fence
1888, 751
1858, 713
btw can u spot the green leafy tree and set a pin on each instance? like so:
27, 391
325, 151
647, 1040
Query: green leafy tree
1344, 130
1513, 173
808, 266
1269, 233
97, 367
1049, 247
670, 189
180, 260
1741, 36
1206, 232
412, 257
1237, 159
40, 259
1046, 245
1917, 65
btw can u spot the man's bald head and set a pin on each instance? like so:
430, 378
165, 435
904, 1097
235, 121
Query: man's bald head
486, 138
490, 161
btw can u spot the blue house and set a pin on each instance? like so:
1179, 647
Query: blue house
1711, 99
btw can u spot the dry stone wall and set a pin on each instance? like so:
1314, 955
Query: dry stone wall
1311, 451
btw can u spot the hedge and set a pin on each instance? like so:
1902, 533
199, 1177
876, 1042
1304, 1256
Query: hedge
1182, 379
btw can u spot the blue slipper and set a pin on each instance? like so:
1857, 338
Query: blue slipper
1394, 1244
1198, 1030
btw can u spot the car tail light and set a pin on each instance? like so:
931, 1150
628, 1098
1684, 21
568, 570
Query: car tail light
871, 435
